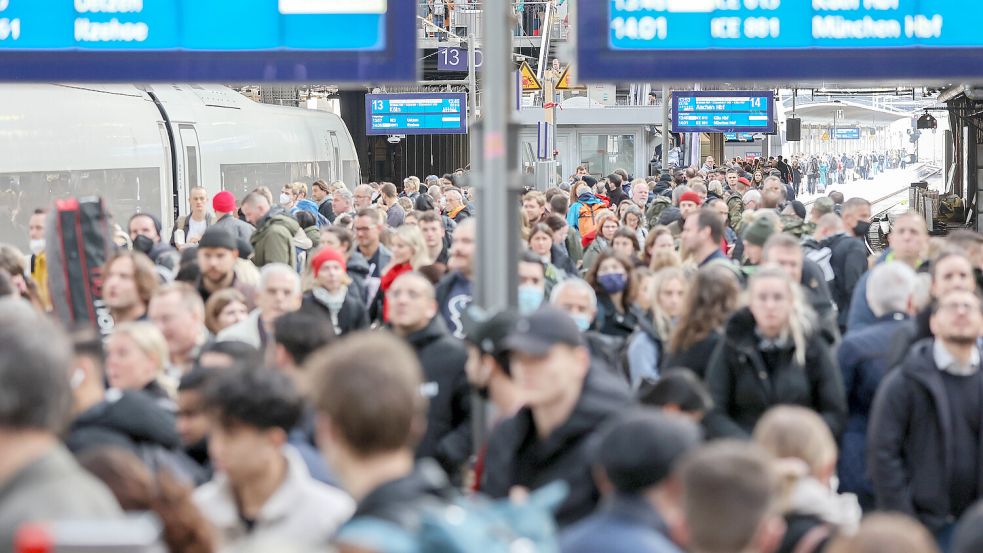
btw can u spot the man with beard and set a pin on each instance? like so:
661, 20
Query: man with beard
217, 254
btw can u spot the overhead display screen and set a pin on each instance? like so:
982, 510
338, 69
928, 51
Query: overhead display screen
739, 136
847, 134
214, 40
723, 112
720, 39
416, 113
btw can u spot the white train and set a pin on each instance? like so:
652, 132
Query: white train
142, 147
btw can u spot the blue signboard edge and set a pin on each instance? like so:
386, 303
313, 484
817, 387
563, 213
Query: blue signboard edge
770, 129
398, 62
463, 129
596, 61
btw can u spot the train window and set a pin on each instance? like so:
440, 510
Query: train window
242, 178
603, 153
192, 167
125, 191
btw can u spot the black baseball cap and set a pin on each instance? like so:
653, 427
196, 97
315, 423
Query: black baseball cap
217, 237
537, 332
487, 331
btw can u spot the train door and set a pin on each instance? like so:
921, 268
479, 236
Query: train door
334, 155
189, 159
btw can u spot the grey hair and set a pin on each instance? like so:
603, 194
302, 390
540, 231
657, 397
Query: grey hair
752, 196
678, 193
580, 285
35, 356
279, 269
345, 192
889, 288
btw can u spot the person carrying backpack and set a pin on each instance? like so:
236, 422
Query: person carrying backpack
583, 212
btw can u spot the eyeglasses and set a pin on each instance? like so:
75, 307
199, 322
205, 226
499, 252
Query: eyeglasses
958, 306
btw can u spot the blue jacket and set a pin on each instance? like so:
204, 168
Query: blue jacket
626, 524
573, 215
860, 316
863, 358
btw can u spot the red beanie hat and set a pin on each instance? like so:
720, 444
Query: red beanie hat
691, 197
325, 255
224, 202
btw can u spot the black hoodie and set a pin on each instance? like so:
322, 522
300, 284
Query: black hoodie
448, 436
517, 456
133, 420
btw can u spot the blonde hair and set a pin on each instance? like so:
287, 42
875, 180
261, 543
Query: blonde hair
800, 323
662, 321
147, 338
665, 259
299, 188
414, 238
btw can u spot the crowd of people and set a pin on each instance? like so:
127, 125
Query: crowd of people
702, 363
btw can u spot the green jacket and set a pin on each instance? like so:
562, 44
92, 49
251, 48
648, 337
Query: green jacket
315, 235
272, 240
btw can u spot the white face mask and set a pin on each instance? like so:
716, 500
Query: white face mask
37, 246
285, 199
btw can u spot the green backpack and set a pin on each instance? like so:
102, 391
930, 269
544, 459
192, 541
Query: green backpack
655, 209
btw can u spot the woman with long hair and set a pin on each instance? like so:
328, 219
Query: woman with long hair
558, 264
646, 347
614, 283
607, 226
712, 297
771, 354
409, 254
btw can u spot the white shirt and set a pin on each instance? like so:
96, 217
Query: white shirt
196, 228
947, 363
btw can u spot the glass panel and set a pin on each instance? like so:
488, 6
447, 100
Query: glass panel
603, 153
192, 167
125, 192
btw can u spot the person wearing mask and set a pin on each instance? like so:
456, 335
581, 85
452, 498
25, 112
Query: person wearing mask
321, 194
607, 227
136, 358
273, 240
144, 230
35, 368
806, 452
847, 262
771, 354
369, 224
924, 441
565, 401
130, 280
730, 499
454, 291
217, 254
290, 195
638, 455
710, 300
262, 492
613, 282
177, 311
279, 292
224, 309
224, 206
409, 253
193, 225
646, 348
333, 296
908, 242
39, 261
532, 282
413, 317
863, 357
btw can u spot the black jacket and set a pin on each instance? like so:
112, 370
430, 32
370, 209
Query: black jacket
518, 457
910, 445
744, 385
358, 270
562, 261
611, 322
353, 315
696, 357
448, 436
849, 263
451, 304
818, 295
132, 420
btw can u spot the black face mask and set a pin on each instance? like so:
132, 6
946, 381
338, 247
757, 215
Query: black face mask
143, 244
862, 228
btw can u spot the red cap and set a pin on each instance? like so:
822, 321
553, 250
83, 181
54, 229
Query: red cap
691, 197
224, 202
33, 538
744, 181
325, 255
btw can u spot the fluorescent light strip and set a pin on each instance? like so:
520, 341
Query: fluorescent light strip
321, 7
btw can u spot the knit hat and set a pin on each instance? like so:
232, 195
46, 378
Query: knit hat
666, 177
799, 208
744, 181
823, 206
759, 231
217, 237
325, 255
224, 202
691, 197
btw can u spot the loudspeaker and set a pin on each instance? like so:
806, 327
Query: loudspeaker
793, 130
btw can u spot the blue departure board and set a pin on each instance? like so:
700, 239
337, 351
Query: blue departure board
213, 40
724, 112
438, 113
739, 137
685, 40
847, 133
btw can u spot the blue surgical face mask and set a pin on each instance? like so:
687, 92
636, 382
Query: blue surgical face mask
530, 298
583, 322
613, 283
